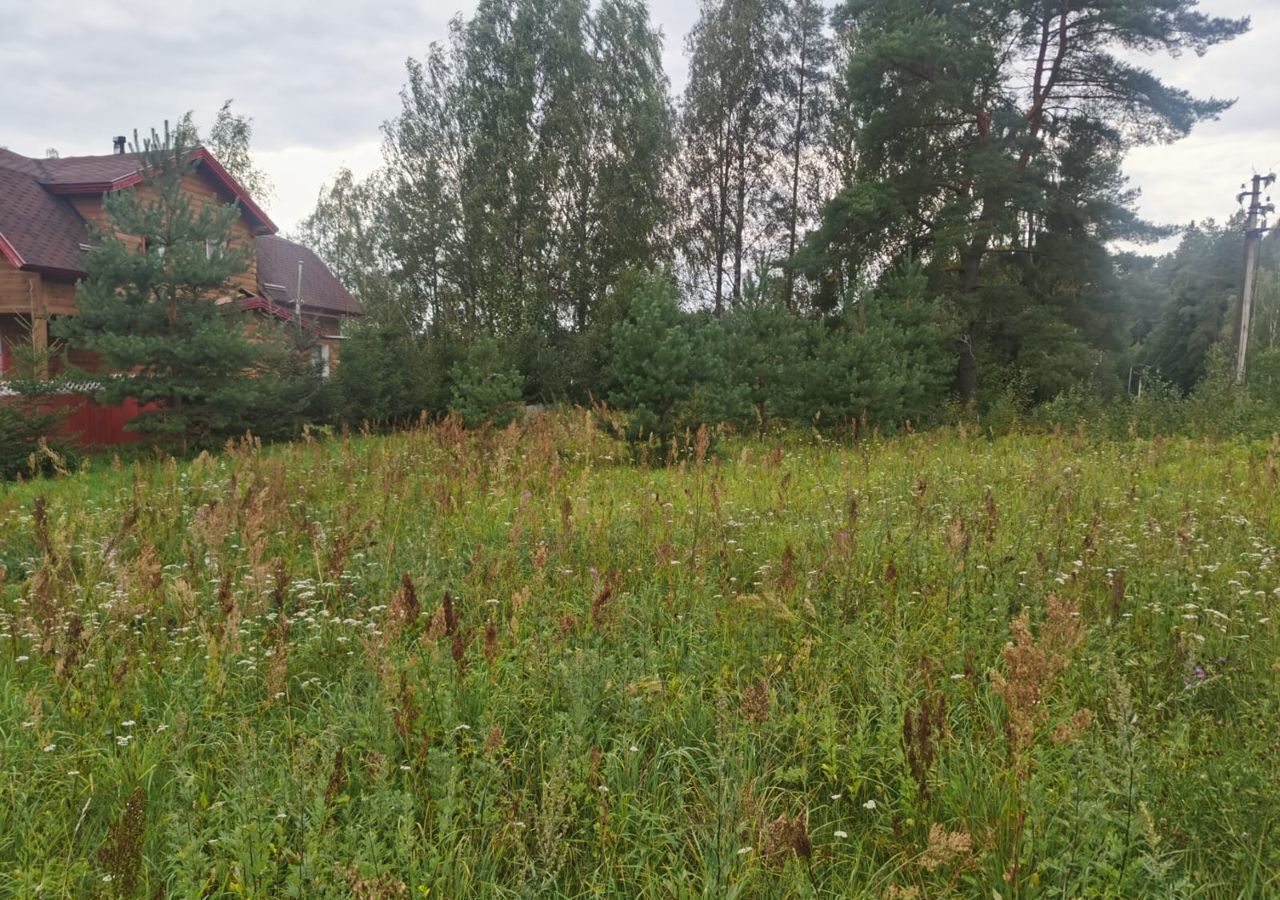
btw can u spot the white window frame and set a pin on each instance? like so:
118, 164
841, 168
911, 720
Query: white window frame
323, 357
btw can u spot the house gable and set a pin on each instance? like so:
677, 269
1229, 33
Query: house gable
48, 204
50, 208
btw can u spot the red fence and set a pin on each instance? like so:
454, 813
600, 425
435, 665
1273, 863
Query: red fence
90, 424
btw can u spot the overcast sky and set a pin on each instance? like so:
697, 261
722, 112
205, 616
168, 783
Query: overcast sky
320, 76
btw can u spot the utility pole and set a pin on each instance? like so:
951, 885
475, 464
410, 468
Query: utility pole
1255, 226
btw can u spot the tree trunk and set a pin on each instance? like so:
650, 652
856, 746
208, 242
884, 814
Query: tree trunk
967, 371
970, 270
721, 216
788, 293
740, 225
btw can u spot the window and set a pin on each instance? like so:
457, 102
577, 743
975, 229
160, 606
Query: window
320, 356
214, 248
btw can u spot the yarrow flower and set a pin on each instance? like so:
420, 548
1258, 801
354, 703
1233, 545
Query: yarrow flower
870, 804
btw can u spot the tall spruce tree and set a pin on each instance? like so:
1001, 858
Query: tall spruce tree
964, 116
154, 307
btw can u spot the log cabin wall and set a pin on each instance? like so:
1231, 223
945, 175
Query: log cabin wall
13, 332
201, 190
21, 293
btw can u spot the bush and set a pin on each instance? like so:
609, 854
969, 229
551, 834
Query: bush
886, 359
388, 376
664, 370
22, 425
486, 387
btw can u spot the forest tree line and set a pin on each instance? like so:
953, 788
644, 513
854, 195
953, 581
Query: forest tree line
887, 204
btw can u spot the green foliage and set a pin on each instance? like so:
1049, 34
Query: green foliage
661, 370
525, 170
350, 229
387, 376
486, 387
163, 314
1200, 287
885, 360
767, 352
27, 443
987, 138
534, 169
288, 387
30, 441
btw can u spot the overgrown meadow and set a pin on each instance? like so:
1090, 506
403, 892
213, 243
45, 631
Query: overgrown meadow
467, 664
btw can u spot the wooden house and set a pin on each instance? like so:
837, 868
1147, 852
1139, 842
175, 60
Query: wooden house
47, 206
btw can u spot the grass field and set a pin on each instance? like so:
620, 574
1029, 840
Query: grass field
483, 665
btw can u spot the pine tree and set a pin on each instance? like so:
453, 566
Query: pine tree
158, 308
962, 115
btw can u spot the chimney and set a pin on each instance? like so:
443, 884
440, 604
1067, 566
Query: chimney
118, 143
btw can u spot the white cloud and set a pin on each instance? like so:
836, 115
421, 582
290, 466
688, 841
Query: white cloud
299, 172
320, 76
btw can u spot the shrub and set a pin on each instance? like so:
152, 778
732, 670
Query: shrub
486, 387
887, 358
665, 370
387, 376
22, 425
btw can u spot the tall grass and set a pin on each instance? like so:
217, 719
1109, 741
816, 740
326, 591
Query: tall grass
510, 663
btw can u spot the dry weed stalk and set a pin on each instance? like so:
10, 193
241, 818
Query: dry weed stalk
755, 706
1031, 667
121, 855
958, 540
1078, 724
923, 728
491, 649
337, 777
278, 667
946, 848
381, 887
784, 837
404, 609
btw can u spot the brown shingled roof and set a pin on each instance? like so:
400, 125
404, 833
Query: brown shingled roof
278, 277
76, 170
42, 231
34, 223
